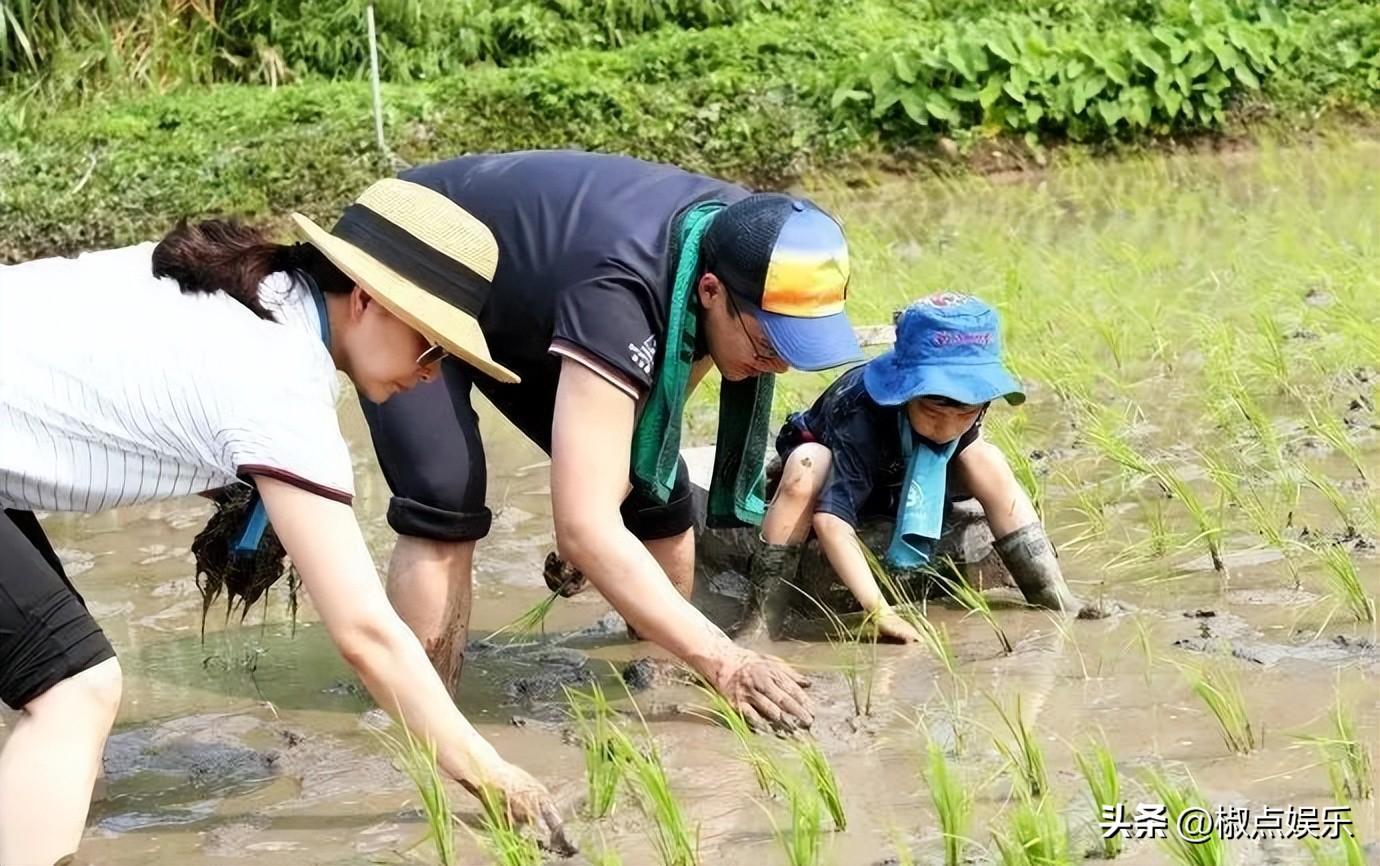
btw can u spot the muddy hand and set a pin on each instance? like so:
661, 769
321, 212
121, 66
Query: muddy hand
561, 577
766, 691
528, 802
892, 626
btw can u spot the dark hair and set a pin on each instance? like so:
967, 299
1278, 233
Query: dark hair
228, 256
242, 577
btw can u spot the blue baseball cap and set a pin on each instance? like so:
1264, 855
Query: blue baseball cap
947, 345
787, 261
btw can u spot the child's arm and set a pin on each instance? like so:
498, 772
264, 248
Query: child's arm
841, 545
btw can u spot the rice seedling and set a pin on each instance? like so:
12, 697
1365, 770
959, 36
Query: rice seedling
1210, 851
859, 665
1007, 434
764, 769
1272, 359
1035, 835
958, 589
601, 743
1210, 525
1344, 583
1349, 760
1346, 850
417, 760
1326, 427
953, 802
936, 638
1220, 693
1267, 523
529, 624
821, 775
507, 844
1333, 494
1104, 788
1023, 753
675, 840
604, 856
1260, 423
802, 839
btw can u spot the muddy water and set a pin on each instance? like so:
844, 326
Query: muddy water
256, 745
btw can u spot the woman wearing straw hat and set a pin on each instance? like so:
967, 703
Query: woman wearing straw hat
111, 394
621, 283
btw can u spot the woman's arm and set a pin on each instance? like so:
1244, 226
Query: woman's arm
591, 436
326, 546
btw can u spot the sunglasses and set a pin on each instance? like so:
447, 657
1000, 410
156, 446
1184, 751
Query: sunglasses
432, 354
765, 356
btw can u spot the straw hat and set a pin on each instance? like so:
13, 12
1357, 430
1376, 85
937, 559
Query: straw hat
425, 258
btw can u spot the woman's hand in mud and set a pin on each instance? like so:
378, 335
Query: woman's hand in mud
528, 802
766, 690
891, 626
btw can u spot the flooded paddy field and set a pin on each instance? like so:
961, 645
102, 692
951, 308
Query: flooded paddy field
1200, 338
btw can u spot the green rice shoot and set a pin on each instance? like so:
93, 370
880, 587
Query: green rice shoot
529, 624
1349, 759
1104, 789
821, 775
1035, 835
953, 802
601, 745
1217, 688
958, 589
1023, 753
764, 770
417, 760
1344, 583
506, 843
1178, 798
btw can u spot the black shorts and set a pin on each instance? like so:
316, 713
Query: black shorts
46, 633
428, 445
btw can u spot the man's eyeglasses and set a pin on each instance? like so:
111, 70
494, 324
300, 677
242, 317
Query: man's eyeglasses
433, 353
765, 356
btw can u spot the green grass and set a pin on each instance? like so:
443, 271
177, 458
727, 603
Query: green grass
417, 760
1177, 798
1217, 688
1099, 771
1022, 752
1034, 835
820, 773
952, 800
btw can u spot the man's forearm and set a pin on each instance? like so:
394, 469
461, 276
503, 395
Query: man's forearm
633, 582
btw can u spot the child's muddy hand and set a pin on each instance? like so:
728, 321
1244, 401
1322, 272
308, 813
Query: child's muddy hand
892, 626
528, 802
766, 690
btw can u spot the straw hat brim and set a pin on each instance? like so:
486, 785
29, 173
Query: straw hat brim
445, 323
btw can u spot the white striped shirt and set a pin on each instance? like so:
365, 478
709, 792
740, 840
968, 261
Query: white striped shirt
116, 388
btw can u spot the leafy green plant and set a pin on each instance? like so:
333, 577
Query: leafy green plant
1326, 427
952, 800
1178, 798
1104, 789
821, 775
936, 639
802, 839
1219, 692
1023, 752
1035, 835
675, 840
1345, 851
529, 624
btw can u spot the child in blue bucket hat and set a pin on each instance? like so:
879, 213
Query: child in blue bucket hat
900, 437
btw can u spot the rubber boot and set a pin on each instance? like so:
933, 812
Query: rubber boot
771, 576
1029, 556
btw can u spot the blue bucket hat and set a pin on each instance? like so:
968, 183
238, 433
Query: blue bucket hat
947, 345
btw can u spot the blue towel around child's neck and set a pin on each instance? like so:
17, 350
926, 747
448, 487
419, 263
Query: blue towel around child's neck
920, 513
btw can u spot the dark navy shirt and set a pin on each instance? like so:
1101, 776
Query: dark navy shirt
583, 251
864, 437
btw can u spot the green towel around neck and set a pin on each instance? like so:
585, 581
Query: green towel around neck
737, 486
